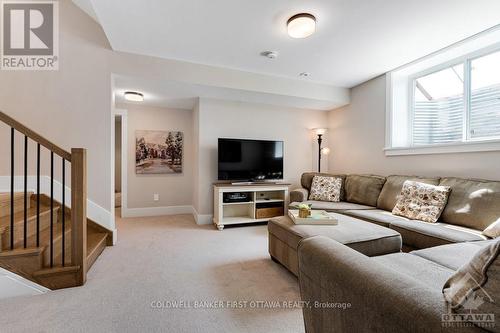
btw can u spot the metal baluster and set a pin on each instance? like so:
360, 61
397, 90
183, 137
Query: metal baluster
51, 209
25, 233
38, 196
63, 208
12, 188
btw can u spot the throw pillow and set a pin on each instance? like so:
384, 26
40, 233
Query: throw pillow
326, 189
475, 287
493, 230
419, 201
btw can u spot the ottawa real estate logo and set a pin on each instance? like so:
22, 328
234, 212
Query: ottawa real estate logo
29, 35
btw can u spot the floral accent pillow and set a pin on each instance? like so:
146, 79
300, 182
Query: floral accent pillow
326, 188
419, 201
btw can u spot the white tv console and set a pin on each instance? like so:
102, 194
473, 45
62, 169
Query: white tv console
261, 194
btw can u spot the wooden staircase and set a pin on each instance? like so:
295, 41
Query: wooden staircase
34, 262
41, 238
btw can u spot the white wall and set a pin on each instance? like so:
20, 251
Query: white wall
357, 139
218, 118
174, 189
67, 105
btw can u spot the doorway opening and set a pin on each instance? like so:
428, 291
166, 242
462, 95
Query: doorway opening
118, 163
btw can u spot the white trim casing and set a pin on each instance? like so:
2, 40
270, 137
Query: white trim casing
201, 219
461, 147
157, 211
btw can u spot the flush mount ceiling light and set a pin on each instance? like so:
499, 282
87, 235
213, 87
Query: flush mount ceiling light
301, 25
134, 96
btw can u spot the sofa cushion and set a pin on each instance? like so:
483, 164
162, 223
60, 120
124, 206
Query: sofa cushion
367, 238
332, 206
452, 256
299, 195
363, 189
472, 203
307, 178
378, 216
423, 202
480, 278
427, 272
326, 189
392, 189
493, 230
421, 235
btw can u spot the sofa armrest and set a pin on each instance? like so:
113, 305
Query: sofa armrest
381, 299
299, 195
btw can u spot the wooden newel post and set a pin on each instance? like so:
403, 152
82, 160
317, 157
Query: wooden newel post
79, 212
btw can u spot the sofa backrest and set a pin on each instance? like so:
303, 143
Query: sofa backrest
472, 203
392, 189
363, 189
307, 177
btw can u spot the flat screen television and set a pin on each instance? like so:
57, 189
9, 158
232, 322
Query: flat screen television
250, 160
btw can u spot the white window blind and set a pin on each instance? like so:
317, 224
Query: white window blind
457, 104
485, 97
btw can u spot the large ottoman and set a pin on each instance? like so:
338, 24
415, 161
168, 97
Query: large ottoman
365, 237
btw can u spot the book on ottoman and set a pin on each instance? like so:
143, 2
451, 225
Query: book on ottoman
319, 217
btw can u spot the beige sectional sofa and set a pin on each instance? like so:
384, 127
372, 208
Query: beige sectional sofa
472, 206
394, 291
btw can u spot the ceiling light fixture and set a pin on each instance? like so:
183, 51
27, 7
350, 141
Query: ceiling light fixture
134, 96
301, 25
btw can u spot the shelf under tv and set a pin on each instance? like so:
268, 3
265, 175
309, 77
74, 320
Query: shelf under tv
261, 195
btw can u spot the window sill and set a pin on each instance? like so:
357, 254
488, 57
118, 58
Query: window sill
462, 147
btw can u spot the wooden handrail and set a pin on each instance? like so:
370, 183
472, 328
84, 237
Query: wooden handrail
35, 136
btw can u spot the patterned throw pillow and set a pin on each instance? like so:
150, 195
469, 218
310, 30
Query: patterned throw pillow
475, 287
326, 188
419, 201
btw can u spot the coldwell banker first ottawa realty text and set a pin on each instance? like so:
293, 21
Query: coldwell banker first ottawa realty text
30, 35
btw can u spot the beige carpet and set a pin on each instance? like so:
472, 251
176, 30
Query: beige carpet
169, 259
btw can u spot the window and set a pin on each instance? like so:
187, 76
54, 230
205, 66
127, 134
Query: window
459, 103
448, 101
438, 107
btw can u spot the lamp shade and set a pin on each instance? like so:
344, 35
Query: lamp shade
320, 131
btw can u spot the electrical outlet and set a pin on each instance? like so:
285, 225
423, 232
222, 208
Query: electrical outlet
156, 197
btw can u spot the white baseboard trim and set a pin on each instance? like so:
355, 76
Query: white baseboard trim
202, 219
156, 211
95, 212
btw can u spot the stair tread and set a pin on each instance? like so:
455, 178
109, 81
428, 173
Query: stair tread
19, 216
94, 239
5, 196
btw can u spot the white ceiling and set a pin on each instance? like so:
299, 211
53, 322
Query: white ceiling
355, 40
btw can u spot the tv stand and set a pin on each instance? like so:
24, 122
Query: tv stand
266, 200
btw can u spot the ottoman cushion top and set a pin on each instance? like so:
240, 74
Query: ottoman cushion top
365, 237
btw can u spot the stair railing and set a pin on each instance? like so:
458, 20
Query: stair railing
77, 160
